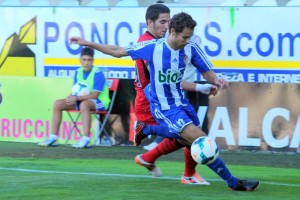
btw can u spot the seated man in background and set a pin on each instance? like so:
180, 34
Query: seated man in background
96, 100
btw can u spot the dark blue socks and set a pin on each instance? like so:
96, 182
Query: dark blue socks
160, 131
219, 167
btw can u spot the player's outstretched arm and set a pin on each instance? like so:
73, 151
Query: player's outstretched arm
212, 78
202, 88
112, 50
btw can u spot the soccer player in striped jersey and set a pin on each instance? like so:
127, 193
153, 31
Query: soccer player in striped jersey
167, 59
168, 145
157, 19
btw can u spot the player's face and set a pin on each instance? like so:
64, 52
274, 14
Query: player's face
183, 38
86, 62
160, 26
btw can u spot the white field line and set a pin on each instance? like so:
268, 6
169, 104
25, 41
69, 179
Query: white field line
126, 175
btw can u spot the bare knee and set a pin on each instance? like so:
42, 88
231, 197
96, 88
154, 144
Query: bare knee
86, 106
59, 105
191, 133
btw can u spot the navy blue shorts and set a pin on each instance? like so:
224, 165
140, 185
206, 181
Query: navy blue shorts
176, 118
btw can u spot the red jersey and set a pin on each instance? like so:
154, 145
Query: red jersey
142, 105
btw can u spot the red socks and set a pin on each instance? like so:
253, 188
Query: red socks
168, 145
190, 163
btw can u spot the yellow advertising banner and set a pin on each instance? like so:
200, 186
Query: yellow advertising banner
26, 108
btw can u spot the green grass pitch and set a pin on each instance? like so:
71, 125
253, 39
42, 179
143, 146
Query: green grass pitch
31, 172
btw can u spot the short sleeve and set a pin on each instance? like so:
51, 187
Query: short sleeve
199, 59
141, 50
99, 81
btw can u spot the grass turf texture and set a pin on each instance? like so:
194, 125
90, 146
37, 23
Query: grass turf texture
110, 173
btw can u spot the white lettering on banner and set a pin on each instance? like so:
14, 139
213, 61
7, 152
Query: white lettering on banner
267, 127
118, 74
235, 77
251, 77
243, 130
61, 73
279, 78
202, 110
133, 74
221, 119
295, 142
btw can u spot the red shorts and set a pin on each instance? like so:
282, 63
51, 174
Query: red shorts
142, 109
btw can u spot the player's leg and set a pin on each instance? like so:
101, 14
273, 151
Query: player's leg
58, 107
218, 166
142, 130
192, 132
168, 145
190, 176
85, 109
160, 130
154, 143
165, 147
187, 124
143, 115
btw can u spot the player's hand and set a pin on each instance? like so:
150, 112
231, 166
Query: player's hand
70, 100
213, 90
207, 88
222, 83
77, 40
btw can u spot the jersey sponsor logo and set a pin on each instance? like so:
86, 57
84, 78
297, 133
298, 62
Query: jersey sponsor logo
186, 59
175, 60
138, 45
168, 77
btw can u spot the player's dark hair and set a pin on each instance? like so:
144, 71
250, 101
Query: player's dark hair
180, 21
154, 10
87, 51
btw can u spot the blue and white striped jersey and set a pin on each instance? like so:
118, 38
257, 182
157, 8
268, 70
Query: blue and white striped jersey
167, 68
